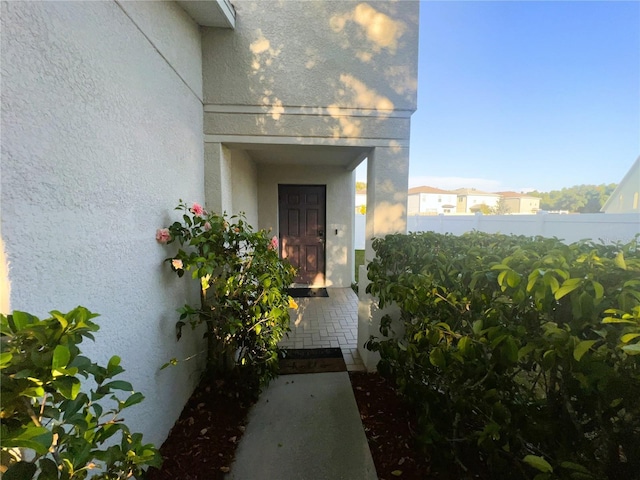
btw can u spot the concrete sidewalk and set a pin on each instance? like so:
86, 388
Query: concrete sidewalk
305, 427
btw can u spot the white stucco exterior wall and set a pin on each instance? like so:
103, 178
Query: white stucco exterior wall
318, 54
340, 211
244, 181
218, 183
176, 36
100, 138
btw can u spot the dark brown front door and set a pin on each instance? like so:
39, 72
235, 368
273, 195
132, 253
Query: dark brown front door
302, 230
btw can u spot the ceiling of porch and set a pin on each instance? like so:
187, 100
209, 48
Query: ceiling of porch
270, 154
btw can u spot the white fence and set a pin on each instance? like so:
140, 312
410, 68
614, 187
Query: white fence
605, 227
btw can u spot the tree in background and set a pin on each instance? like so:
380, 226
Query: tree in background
361, 186
501, 207
576, 199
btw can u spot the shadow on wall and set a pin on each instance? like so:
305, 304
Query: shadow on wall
310, 57
336, 255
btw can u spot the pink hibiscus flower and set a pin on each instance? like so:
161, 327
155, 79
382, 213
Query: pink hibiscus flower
176, 263
273, 245
207, 226
163, 235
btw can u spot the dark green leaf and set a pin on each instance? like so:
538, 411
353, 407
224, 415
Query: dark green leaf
119, 385
133, 399
20, 471
436, 357
30, 436
48, 469
61, 357
538, 463
69, 387
582, 348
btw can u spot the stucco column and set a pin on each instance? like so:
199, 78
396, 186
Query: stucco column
387, 185
217, 178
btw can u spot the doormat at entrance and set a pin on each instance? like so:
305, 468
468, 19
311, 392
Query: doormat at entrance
311, 360
308, 292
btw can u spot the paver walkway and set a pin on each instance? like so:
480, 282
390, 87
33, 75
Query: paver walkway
308, 427
323, 322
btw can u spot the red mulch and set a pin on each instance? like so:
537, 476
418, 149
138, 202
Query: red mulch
202, 443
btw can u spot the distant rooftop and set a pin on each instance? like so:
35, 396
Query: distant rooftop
515, 195
472, 191
426, 189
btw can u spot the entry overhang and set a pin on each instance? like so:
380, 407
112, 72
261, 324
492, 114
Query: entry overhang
348, 157
210, 13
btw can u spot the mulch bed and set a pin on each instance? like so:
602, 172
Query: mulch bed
389, 426
203, 441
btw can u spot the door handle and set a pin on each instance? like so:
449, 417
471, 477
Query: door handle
321, 233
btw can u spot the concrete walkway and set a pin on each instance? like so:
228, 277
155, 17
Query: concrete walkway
305, 427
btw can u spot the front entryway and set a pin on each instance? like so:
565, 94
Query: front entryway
302, 230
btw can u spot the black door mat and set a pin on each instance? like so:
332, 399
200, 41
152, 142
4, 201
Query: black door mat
311, 360
308, 292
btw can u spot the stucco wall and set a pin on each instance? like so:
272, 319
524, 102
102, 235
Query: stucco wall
100, 138
218, 181
244, 179
340, 211
315, 70
316, 54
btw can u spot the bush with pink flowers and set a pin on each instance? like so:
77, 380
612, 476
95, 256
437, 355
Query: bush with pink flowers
244, 303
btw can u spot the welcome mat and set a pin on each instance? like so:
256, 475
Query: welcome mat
308, 292
311, 360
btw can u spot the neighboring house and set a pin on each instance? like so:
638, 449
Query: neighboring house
361, 200
114, 110
471, 200
431, 201
624, 198
520, 203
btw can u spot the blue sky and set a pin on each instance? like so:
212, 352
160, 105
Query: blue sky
518, 95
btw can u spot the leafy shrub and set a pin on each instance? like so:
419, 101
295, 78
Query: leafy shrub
51, 426
244, 302
519, 354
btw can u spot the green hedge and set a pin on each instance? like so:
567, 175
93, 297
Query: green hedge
521, 355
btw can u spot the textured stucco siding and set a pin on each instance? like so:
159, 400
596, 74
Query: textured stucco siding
322, 124
340, 211
218, 184
100, 138
244, 180
176, 36
346, 54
